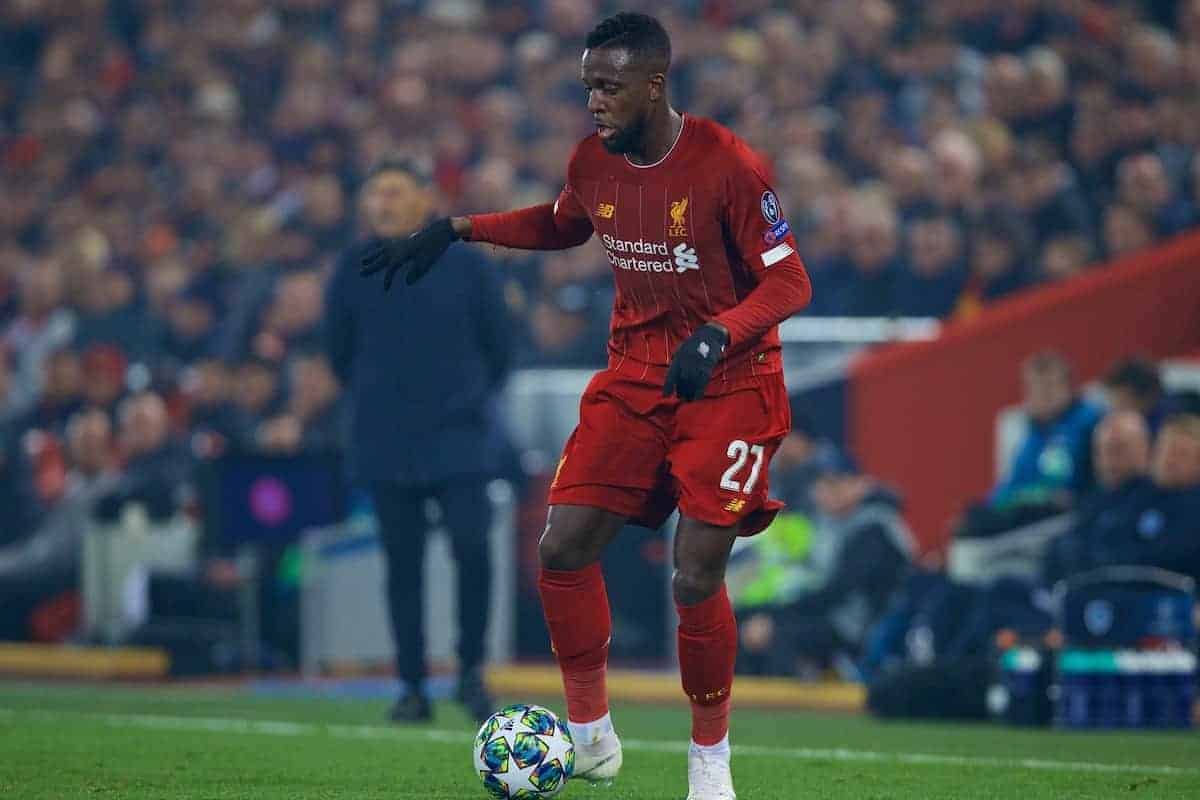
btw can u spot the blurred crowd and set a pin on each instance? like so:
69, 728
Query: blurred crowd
177, 179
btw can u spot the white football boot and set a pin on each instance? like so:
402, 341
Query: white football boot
708, 775
597, 751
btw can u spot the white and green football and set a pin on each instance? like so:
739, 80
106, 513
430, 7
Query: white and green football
523, 752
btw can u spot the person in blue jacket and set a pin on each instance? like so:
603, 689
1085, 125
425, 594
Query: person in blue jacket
1053, 463
1052, 468
424, 366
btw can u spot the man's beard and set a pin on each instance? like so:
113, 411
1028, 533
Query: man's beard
628, 139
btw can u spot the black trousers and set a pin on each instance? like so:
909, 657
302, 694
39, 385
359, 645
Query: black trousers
404, 527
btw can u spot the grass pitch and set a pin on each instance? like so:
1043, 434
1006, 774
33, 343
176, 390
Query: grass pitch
72, 742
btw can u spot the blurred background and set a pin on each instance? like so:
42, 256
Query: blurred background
996, 200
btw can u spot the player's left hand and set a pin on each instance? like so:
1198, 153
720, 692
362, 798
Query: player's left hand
414, 255
693, 363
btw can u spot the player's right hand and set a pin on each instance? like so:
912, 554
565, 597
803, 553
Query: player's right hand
414, 255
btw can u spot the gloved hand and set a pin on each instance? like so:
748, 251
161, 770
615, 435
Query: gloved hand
414, 255
693, 363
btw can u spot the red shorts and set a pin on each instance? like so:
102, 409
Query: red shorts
639, 454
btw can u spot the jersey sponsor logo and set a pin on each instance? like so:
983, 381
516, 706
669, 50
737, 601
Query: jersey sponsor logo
645, 256
776, 232
770, 207
605, 210
678, 215
685, 258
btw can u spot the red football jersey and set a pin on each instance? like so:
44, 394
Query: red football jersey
688, 238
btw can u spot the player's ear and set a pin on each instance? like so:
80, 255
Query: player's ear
658, 84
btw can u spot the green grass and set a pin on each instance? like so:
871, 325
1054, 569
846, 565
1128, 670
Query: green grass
212, 744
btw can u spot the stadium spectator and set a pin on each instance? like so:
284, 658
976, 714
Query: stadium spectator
156, 470
60, 395
1103, 518
1135, 520
109, 316
207, 388
103, 373
190, 326
934, 278
311, 421
1143, 185
1134, 385
1167, 529
1065, 256
46, 561
256, 397
997, 253
44, 325
1125, 231
1043, 188
1052, 464
1053, 461
865, 283
860, 552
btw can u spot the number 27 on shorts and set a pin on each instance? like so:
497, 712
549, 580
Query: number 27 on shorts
741, 452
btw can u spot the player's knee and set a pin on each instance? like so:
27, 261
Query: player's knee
691, 585
559, 549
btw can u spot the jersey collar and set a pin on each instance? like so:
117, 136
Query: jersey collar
683, 119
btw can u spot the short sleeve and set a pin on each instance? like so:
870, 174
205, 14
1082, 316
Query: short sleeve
754, 218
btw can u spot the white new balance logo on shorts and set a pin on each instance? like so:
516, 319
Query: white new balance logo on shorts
685, 258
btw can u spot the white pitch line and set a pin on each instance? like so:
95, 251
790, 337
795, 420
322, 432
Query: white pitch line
442, 736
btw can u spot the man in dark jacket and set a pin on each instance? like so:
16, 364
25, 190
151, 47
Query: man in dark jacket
423, 365
1147, 522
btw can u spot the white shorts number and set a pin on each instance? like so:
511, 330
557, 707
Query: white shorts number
739, 451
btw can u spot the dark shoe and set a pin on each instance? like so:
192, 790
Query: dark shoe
474, 695
412, 707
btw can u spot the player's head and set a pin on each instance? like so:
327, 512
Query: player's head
396, 198
625, 73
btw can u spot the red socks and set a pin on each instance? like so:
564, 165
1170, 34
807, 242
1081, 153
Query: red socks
707, 651
575, 603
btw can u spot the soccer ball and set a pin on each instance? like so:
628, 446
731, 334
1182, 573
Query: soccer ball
523, 752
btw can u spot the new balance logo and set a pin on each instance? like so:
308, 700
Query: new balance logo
735, 506
685, 258
605, 210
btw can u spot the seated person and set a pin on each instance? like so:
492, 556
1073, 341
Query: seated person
860, 552
47, 561
1134, 385
1148, 523
157, 467
1167, 532
1122, 461
1052, 466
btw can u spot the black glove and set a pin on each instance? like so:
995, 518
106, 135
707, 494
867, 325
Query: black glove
415, 254
693, 363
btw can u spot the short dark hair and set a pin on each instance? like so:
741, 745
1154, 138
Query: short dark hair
1137, 374
641, 34
1045, 361
396, 163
